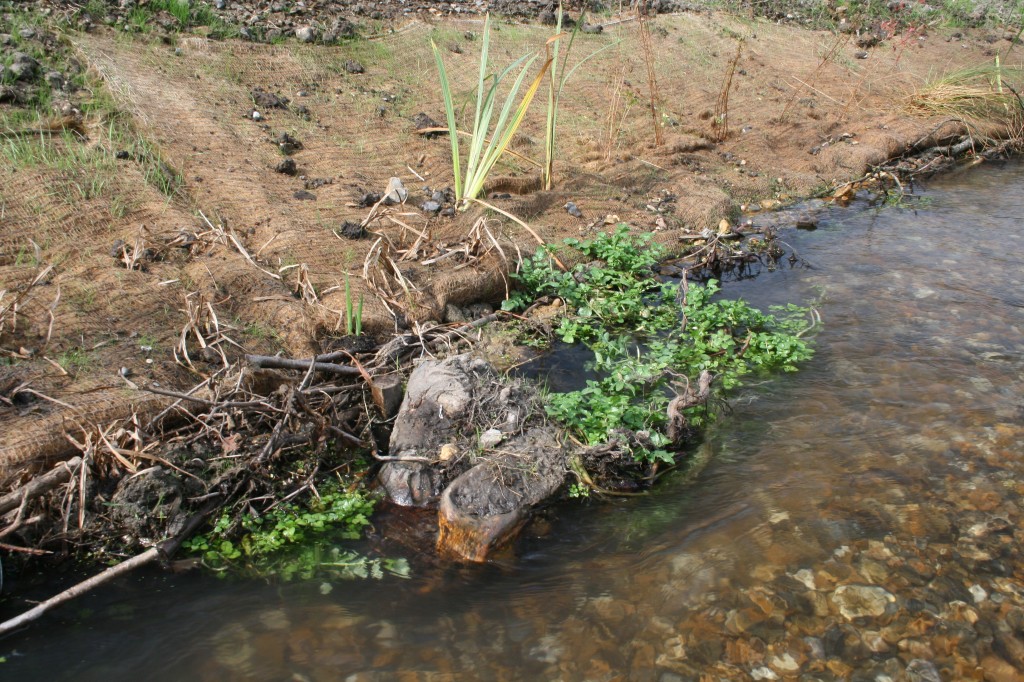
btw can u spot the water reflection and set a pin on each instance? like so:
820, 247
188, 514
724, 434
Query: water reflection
859, 520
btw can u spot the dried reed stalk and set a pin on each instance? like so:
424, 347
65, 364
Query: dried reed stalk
654, 97
721, 120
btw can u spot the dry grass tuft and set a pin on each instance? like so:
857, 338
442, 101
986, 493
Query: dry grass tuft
983, 98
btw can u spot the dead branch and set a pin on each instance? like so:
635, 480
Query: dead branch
677, 422
163, 551
289, 363
146, 557
40, 485
271, 447
721, 120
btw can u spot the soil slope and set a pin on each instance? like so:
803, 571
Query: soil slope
123, 248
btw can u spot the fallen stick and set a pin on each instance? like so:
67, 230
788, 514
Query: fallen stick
81, 588
164, 550
248, 404
289, 363
39, 485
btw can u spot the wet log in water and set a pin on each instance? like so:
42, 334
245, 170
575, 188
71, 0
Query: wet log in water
474, 445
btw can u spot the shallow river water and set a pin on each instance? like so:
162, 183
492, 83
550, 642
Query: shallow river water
859, 520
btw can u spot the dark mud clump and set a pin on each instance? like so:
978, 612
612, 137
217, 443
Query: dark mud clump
149, 505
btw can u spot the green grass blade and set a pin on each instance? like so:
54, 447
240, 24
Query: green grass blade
449, 110
359, 317
348, 307
585, 60
476, 143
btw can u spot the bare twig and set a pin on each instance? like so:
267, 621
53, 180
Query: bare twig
288, 363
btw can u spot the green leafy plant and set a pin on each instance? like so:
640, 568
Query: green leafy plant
73, 360
486, 144
296, 540
645, 343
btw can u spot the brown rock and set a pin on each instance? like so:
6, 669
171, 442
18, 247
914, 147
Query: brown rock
859, 601
745, 652
741, 620
998, 670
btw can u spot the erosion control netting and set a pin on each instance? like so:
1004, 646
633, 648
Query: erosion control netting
263, 251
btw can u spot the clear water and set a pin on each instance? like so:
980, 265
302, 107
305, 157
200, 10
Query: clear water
879, 464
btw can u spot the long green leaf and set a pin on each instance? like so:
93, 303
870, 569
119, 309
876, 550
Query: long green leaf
499, 127
482, 103
506, 136
480, 133
552, 116
555, 91
449, 109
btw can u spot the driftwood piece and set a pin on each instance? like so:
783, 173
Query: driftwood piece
40, 485
289, 363
677, 422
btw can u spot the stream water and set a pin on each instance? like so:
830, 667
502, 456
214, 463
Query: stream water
860, 519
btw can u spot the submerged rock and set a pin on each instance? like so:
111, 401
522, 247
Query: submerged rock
858, 601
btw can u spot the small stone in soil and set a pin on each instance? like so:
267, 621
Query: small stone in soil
491, 438
352, 66
573, 210
55, 79
396, 192
422, 121
268, 100
286, 167
431, 207
305, 34
303, 195
369, 199
288, 144
351, 230
592, 28
23, 67
122, 155
860, 54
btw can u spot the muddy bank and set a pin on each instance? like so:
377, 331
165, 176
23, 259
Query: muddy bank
200, 198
